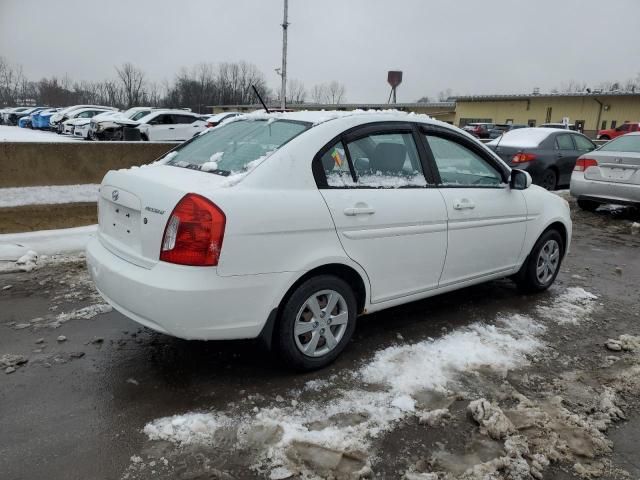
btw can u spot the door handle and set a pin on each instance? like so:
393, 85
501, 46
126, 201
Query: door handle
464, 204
172, 128
350, 212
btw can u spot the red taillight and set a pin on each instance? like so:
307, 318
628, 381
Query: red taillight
583, 163
522, 157
194, 233
212, 124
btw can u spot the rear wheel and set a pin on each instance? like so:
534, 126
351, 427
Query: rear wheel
549, 180
316, 323
541, 268
588, 205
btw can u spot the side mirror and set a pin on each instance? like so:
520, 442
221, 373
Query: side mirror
520, 180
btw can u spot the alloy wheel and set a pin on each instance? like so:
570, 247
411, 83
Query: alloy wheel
548, 261
321, 323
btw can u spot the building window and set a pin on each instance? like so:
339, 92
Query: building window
614, 123
509, 121
548, 118
531, 122
604, 125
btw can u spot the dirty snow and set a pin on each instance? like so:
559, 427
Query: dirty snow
343, 428
571, 306
47, 195
16, 134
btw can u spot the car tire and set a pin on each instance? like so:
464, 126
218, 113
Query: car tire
549, 180
297, 316
588, 205
532, 277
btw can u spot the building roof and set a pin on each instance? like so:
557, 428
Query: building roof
346, 106
529, 96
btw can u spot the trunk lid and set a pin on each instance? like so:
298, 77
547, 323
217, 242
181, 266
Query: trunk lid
615, 167
135, 204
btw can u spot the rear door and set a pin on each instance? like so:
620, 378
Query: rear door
389, 217
186, 126
487, 220
566, 156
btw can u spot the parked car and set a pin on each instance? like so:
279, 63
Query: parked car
480, 130
610, 174
14, 116
500, 129
112, 127
40, 120
170, 125
623, 129
287, 227
548, 154
82, 125
80, 114
56, 120
218, 118
561, 126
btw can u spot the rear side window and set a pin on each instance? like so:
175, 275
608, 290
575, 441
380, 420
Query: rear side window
627, 143
460, 167
379, 160
184, 118
583, 144
564, 142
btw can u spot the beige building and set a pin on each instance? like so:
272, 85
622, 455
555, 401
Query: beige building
445, 111
589, 112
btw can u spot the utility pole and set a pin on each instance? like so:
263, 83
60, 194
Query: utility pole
283, 73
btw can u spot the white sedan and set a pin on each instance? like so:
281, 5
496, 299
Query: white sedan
289, 226
170, 125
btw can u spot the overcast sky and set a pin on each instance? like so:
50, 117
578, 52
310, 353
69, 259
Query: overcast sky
470, 46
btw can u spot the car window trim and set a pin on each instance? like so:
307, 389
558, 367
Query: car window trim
469, 145
355, 133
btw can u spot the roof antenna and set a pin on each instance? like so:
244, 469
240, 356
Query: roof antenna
260, 98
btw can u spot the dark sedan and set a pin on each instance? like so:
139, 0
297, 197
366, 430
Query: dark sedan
548, 154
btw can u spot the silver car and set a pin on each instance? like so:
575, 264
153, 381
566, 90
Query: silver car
610, 174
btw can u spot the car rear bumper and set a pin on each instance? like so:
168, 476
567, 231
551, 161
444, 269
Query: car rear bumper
609, 192
185, 302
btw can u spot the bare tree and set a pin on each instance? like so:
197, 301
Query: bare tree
132, 82
319, 94
333, 93
444, 95
296, 91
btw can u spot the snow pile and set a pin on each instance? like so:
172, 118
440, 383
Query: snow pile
45, 242
523, 137
48, 195
185, 429
570, 307
212, 164
27, 262
236, 177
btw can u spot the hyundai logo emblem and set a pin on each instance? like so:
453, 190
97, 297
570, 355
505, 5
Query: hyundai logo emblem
114, 195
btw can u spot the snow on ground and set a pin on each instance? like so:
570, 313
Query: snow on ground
380, 393
46, 195
22, 251
17, 134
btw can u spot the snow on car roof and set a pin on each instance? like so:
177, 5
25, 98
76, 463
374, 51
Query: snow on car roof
524, 137
317, 117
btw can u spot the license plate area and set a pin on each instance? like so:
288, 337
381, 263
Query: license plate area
617, 174
121, 223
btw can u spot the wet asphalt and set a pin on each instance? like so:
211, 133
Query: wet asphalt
76, 409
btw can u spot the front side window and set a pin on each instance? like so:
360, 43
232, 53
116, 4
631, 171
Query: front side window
461, 167
563, 142
232, 147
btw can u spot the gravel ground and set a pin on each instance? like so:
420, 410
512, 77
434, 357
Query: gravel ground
81, 383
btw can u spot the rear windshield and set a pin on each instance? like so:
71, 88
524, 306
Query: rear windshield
232, 146
626, 143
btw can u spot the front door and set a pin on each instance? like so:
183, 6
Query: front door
486, 219
567, 155
162, 128
389, 218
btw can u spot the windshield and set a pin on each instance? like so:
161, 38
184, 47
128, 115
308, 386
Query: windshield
139, 115
233, 146
626, 143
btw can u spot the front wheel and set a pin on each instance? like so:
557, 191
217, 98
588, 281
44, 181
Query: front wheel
541, 268
316, 323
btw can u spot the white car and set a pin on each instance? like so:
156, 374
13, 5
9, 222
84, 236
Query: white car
289, 226
112, 128
170, 125
81, 115
82, 125
56, 120
218, 118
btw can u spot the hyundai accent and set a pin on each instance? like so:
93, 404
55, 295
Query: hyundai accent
289, 226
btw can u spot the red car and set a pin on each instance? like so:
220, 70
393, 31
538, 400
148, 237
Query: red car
616, 132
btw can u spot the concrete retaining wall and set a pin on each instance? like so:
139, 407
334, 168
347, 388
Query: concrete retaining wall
32, 164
